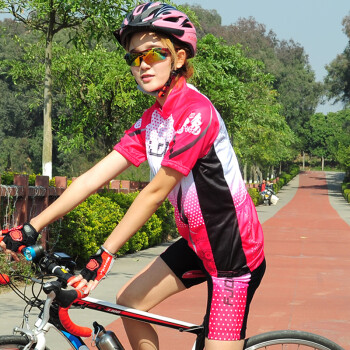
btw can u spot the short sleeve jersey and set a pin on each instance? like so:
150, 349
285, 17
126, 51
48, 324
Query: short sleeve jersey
213, 210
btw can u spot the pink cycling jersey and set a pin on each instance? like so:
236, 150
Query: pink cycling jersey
213, 210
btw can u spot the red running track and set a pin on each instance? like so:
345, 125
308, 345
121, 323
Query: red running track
307, 283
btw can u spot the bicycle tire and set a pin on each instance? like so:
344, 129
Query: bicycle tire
288, 338
14, 342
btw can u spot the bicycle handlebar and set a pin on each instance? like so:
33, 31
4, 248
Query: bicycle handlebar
65, 298
49, 263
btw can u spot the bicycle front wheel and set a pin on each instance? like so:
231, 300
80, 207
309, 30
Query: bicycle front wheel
283, 340
14, 342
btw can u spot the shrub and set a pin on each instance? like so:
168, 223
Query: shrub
165, 212
294, 170
345, 185
124, 200
82, 231
280, 183
21, 267
255, 196
347, 194
7, 178
286, 177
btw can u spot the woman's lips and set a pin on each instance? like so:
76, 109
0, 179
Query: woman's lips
146, 78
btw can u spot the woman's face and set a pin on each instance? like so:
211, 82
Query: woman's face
153, 76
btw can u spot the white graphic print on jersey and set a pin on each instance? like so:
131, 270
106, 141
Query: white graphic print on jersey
192, 124
159, 133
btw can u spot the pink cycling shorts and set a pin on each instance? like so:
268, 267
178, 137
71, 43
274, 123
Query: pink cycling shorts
229, 298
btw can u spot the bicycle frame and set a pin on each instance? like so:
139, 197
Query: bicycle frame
59, 300
104, 306
45, 323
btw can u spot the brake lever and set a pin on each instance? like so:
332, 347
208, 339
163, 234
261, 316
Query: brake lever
46, 312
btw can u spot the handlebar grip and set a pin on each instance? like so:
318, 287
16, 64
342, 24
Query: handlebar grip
68, 324
2, 233
59, 272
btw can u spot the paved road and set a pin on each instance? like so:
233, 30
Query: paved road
307, 284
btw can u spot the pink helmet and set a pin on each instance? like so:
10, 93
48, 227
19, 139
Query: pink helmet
161, 18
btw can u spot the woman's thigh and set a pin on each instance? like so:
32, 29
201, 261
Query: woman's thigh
150, 286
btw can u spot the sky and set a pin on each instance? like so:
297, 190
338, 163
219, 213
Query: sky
314, 24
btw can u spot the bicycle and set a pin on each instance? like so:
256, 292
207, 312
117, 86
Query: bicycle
59, 268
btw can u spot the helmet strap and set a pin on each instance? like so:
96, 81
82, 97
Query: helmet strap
164, 89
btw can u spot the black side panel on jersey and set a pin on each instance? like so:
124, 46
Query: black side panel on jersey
219, 215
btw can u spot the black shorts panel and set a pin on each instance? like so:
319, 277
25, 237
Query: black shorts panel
184, 262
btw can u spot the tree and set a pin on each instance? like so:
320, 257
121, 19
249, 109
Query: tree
20, 122
337, 80
321, 132
244, 95
329, 137
87, 17
99, 98
339, 141
294, 80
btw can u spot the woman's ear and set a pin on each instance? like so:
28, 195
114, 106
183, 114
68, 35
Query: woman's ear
181, 58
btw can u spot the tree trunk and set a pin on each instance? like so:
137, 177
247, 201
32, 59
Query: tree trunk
322, 163
303, 160
245, 172
259, 175
47, 124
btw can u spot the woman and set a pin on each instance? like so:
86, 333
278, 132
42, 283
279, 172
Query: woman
187, 147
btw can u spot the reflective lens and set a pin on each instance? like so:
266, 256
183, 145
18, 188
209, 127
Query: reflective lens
150, 56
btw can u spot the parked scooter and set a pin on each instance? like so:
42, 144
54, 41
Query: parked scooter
269, 196
266, 195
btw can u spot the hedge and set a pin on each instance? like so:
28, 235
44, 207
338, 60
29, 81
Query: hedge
82, 231
85, 228
285, 177
345, 187
255, 195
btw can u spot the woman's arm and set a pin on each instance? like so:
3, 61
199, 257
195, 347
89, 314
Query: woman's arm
143, 207
85, 185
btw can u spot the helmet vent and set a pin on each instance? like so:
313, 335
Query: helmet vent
171, 19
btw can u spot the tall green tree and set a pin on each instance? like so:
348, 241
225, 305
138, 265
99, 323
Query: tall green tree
19, 121
99, 98
320, 136
337, 80
329, 137
88, 18
294, 80
244, 95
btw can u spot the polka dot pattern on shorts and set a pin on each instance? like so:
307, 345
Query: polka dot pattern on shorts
228, 307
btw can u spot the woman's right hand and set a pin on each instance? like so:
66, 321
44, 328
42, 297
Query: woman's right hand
96, 269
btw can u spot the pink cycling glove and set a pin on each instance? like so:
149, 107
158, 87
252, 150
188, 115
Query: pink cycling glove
99, 265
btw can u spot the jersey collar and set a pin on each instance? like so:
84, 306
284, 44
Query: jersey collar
173, 98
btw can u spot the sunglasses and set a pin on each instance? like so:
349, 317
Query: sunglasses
150, 56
